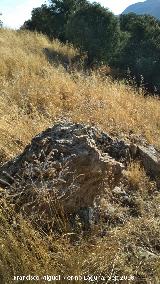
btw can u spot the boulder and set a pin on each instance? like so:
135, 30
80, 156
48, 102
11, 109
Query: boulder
150, 158
73, 163
67, 159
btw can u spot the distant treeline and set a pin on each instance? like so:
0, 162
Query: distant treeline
0, 21
129, 43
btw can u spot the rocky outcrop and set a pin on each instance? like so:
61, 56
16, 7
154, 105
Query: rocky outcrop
151, 160
67, 159
74, 163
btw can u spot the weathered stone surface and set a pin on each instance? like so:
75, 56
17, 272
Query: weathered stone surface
150, 159
74, 162
118, 191
67, 159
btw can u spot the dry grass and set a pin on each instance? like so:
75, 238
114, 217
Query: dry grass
137, 177
35, 93
130, 250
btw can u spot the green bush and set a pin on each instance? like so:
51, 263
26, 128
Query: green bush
141, 51
96, 31
51, 19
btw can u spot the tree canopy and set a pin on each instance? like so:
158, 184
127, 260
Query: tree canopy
1, 22
129, 42
95, 30
141, 52
51, 19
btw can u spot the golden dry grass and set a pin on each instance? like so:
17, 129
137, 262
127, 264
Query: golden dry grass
33, 94
130, 250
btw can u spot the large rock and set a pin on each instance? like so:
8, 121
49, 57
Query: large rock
151, 160
71, 160
73, 163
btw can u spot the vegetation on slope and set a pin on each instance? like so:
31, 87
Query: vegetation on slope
129, 43
34, 92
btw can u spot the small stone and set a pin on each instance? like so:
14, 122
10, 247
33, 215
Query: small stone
118, 190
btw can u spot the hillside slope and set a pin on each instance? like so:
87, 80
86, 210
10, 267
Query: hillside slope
36, 88
40, 85
150, 7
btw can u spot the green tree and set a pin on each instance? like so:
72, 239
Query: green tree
96, 31
141, 51
1, 22
40, 20
51, 19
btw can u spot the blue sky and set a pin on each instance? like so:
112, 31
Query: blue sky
15, 12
